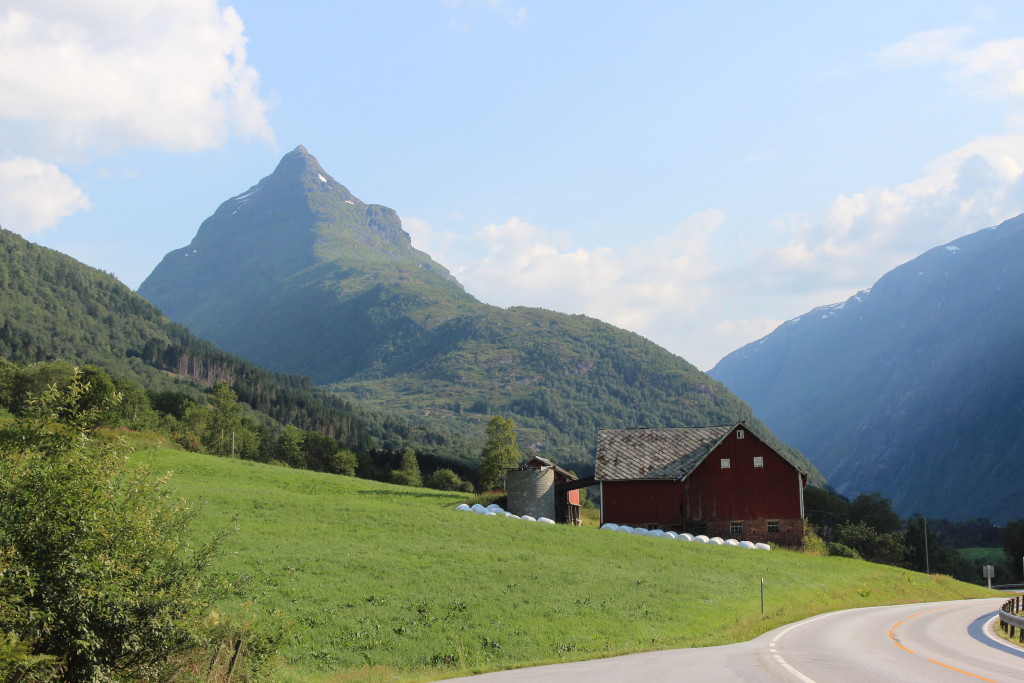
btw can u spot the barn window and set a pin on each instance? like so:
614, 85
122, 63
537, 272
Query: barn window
740, 434
774, 526
735, 528
726, 464
758, 461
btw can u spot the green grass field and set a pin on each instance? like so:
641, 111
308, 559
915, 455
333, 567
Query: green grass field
989, 555
381, 582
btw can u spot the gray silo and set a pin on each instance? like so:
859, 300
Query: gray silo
531, 491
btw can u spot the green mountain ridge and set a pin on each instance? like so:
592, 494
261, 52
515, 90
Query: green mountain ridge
298, 275
53, 307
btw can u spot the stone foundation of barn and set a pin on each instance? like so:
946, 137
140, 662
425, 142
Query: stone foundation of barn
788, 532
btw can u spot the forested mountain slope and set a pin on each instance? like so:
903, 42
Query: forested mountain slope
914, 388
52, 306
298, 275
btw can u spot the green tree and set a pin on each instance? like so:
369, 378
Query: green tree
885, 548
941, 558
319, 450
408, 472
825, 510
876, 511
224, 421
98, 576
289, 447
343, 462
1013, 546
500, 453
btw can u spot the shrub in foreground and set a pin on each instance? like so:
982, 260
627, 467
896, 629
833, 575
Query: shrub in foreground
97, 579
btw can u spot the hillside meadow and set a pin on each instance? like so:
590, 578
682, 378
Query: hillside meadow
370, 581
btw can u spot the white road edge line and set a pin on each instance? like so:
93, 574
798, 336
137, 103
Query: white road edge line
786, 665
989, 629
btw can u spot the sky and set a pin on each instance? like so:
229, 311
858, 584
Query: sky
695, 172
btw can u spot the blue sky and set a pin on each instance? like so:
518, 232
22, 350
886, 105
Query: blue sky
696, 172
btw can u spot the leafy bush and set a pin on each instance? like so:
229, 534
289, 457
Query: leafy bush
872, 545
813, 545
446, 480
840, 550
97, 575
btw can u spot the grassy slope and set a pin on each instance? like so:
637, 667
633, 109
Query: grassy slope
378, 582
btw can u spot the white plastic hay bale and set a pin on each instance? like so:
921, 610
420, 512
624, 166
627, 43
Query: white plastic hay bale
717, 540
510, 515
702, 539
477, 507
610, 527
657, 533
495, 508
482, 511
463, 508
545, 520
626, 529
685, 537
490, 514
671, 534
746, 544
762, 546
639, 532
528, 518
732, 542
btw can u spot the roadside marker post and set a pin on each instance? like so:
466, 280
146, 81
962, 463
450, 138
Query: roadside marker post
762, 596
987, 572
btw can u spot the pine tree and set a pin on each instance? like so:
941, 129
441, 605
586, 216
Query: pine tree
408, 472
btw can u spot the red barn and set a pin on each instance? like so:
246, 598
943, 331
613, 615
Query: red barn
719, 481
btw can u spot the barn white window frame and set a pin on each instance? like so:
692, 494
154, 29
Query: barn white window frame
758, 461
774, 526
740, 434
736, 528
726, 463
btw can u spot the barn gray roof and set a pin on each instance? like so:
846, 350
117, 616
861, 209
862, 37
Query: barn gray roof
654, 453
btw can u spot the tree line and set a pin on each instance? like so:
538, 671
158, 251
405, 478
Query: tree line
867, 527
218, 423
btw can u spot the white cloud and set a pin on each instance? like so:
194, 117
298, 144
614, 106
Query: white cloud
427, 239
992, 70
80, 77
862, 235
925, 47
34, 195
747, 329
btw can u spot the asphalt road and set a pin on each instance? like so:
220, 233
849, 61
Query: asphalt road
934, 642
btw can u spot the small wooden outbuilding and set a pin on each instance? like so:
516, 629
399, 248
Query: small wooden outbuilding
721, 481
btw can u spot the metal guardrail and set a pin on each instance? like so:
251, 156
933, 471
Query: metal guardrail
1009, 620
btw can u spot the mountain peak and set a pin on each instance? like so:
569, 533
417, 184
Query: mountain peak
300, 164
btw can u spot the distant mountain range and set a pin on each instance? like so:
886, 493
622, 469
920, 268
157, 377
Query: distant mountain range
914, 388
298, 275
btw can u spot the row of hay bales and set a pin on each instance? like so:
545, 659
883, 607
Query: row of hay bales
494, 510
658, 533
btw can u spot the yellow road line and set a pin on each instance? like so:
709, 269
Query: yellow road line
961, 671
892, 637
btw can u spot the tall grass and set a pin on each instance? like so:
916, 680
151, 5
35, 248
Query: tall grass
377, 582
